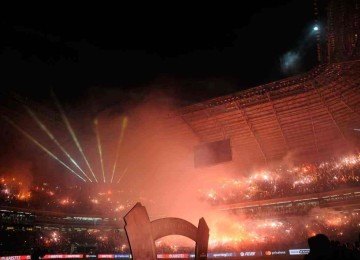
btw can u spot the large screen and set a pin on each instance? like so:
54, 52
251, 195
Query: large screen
212, 153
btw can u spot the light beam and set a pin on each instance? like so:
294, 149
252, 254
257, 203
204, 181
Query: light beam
52, 137
99, 147
123, 174
40, 145
123, 127
72, 133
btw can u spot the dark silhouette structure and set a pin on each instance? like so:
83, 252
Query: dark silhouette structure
142, 233
322, 248
38, 253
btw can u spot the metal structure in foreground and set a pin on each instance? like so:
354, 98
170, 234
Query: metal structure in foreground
142, 233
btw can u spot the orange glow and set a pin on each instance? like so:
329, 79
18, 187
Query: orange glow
24, 196
65, 202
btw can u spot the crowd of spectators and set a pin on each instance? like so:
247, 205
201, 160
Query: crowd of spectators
257, 235
282, 182
275, 183
277, 228
71, 199
63, 242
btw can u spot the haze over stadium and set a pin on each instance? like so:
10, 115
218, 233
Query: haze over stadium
97, 115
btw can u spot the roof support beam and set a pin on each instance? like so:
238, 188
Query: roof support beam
311, 118
278, 120
315, 86
191, 128
217, 123
339, 96
245, 118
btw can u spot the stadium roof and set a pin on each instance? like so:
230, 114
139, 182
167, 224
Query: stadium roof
308, 117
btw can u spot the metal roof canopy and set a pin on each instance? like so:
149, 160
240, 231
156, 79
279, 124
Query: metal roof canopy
307, 118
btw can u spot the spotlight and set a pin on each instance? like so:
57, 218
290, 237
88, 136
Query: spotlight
316, 28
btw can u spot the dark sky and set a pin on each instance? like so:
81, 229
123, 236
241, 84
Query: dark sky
193, 52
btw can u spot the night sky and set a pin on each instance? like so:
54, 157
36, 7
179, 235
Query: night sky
193, 52
120, 54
